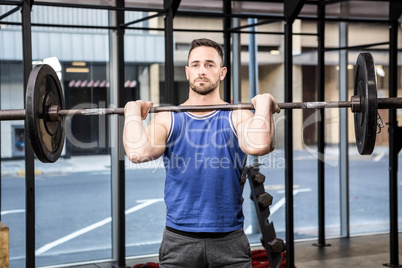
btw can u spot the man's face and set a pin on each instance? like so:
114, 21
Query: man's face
204, 71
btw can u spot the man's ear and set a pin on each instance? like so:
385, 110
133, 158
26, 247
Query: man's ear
186, 69
223, 73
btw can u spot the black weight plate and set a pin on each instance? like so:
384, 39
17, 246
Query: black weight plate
366, 89
44, 89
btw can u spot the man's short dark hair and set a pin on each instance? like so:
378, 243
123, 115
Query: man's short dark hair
206, 43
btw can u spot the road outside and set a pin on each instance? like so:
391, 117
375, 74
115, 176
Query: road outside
73, 210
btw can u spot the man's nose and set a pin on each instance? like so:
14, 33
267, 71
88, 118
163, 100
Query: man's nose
201, 70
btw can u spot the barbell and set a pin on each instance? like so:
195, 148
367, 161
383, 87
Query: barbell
45, 110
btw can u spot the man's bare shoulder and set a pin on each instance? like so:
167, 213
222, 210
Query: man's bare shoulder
162, 119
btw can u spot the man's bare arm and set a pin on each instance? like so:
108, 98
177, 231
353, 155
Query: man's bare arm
143, 144
256, 132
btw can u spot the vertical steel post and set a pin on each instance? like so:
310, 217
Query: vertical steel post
236, 60
289, 146
227, 24
0, 144
291, 10
118, 187
253, 64
29, 155
343, 132
253, 80
169, 90
321, 124
395, 12
121, 178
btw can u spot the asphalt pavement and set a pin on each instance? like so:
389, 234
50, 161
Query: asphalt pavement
73, 210
98, 163
86, 163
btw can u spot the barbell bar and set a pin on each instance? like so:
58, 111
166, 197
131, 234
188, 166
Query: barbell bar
383, 103
45, 112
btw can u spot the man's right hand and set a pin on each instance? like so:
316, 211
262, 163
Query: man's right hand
139, 107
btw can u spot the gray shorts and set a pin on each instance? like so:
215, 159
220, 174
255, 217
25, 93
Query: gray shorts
232, 250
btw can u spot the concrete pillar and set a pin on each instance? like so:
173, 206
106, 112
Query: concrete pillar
144, 79
154, 74
154, 83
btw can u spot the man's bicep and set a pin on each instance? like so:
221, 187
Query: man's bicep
240, 120
157, 131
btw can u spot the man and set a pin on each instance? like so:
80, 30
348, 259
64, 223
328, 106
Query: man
204, 154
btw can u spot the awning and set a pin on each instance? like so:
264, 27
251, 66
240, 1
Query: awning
99, 83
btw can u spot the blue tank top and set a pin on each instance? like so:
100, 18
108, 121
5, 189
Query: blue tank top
203, 164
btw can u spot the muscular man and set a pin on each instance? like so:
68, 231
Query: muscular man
204, 154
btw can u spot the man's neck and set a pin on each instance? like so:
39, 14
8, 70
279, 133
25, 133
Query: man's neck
198, 99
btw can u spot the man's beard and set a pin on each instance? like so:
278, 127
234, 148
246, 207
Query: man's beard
204, 90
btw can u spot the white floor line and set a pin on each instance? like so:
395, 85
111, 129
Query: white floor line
379, 156
91, 227
5, 212
248, 230
275, 207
